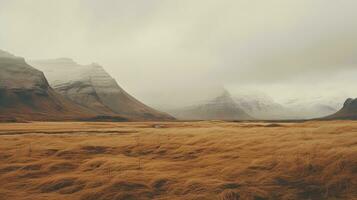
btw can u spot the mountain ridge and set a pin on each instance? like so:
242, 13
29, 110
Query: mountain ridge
222, 107
347, 112
91, 86
25, 94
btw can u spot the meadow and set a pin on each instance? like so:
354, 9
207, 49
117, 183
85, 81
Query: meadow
178, 160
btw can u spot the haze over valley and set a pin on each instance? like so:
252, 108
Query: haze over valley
169, 54
178, 100
96, 93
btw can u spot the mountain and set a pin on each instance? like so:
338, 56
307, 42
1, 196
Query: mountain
5, 54
348, 111
260, 106
223, 107
26, 95
92, 87
310, 108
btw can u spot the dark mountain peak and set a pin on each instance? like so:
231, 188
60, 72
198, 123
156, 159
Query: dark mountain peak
350, 101
15, 73
348, 111
26, 95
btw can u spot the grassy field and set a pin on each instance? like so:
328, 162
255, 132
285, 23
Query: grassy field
178, 160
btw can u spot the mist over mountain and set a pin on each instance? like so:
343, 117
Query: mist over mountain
223, 107
303, 108
178, 99
92, 87
288, 49
257, 105
89, 90
177, 54
261, 106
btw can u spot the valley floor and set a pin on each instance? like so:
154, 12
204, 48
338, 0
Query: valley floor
178, 160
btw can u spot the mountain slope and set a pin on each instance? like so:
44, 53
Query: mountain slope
261, 106
26, 95
348, 111
222, 107
310, 108
91, 86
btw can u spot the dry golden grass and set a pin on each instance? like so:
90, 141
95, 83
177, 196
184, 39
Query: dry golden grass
178, 160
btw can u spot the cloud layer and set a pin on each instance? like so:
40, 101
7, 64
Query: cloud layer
167, 52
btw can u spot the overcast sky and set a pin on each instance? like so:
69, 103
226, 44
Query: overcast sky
168, 52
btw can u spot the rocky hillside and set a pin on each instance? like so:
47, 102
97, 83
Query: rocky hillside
223, 107
26, 95
348, 111
92, 87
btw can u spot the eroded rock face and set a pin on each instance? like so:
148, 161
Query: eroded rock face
19, 82
91, 86
26, 94
17, 74
223, 107
348, 111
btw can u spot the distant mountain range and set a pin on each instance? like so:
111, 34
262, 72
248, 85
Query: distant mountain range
61, 89
223, 107
73, 92
260, 106
254, 106
311, 108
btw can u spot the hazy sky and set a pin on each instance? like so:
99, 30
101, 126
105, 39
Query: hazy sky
176, 51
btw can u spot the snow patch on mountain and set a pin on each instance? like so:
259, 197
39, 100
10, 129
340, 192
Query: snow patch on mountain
92, 87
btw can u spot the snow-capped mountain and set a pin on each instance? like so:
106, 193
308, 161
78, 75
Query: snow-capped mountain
91, 86
310, 108
223, 107
260, 106
257, 105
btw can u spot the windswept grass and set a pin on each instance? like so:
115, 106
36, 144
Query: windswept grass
181, 160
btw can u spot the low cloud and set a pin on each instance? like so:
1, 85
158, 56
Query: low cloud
167, 52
